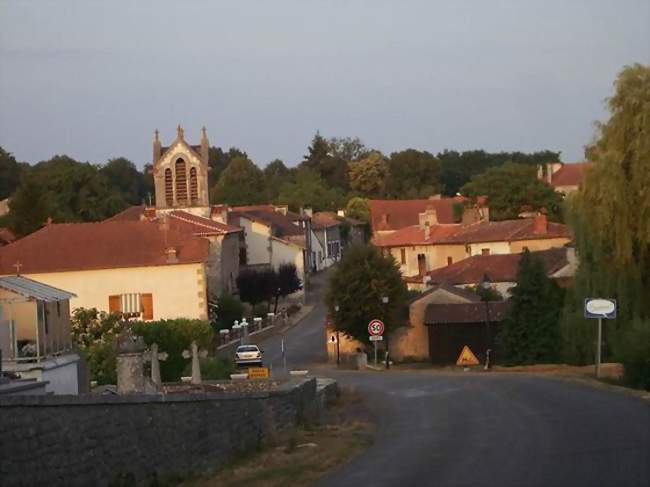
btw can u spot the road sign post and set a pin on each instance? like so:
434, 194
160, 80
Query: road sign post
376, 330
599, 308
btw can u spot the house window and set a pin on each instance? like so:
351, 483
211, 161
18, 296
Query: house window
525, 249
450, 261
485, 251
333, 249
132, 303
403, 255
422, 264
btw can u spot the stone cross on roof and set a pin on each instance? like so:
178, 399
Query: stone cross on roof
18, 265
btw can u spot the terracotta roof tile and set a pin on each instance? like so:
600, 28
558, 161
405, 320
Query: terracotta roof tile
282, 225
404, 213
6, 236
103, 245
571, 174
414, 235
325, 220
198, 225
509, 230
459, 313
132, 213
498, 267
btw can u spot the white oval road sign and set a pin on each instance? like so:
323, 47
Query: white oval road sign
600, 306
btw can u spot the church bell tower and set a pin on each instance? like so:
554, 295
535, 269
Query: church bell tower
180, 174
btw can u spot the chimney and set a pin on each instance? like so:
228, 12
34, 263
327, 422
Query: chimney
434, 197
427, 231
172, 255
428, 217
384, 220
540, 224
205, 147
309, 212
156, 147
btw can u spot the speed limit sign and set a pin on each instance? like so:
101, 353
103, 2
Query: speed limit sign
376, 327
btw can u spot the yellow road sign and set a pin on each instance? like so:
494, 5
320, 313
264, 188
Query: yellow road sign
467, 357
258, 373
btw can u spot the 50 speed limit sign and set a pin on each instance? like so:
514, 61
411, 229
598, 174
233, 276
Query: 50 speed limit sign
376, 327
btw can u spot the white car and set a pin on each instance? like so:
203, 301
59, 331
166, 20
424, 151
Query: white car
248, 355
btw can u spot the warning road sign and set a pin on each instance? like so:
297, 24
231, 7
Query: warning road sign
467, 357
258, 373
376, 327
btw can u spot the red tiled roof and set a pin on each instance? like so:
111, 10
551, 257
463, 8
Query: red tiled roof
508, 231
404, 213
414, 235
282, 225
498, 267
571, 174
324, 220
132, 213
102, 245
198, 225
6, 236
458, 291
436, 314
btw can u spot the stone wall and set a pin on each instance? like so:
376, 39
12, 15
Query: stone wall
98, 440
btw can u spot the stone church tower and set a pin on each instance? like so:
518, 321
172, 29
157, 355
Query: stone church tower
180, 174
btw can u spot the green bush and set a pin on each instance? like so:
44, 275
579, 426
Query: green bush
101, 359
212, 368
229, 309
634, 352
174, 336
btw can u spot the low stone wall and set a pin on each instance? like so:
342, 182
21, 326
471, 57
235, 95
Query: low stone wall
98, 440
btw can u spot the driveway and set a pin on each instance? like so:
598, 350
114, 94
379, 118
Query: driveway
481, 429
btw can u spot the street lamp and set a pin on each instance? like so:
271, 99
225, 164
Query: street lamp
338, 347
485, 285
384, 300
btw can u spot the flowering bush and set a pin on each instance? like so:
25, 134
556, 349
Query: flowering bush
89, 326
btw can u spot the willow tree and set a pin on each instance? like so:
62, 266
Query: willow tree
610, 216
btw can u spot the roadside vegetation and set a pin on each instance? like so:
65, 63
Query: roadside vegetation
303, 457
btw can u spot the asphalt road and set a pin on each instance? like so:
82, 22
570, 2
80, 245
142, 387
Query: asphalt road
482, 429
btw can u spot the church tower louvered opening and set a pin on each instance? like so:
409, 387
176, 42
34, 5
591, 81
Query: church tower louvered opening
194, 186
169, 188
181, 182
180, 173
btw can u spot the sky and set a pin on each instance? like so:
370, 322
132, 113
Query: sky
93, 79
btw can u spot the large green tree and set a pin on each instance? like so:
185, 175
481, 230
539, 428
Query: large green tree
368, 175
531, 331
358, 209
362, 278
412, 174
309, 190
328, 164
10, 172
510, 188
218, 160
30, 206
125, 178
275, 175
241, 183
457, 168
610, 217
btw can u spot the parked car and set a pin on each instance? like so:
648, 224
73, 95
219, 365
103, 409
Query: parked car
247, 355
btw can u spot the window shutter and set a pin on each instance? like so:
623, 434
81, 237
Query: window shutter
114, 304
147, 306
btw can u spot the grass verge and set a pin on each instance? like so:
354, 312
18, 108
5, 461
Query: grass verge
306, 456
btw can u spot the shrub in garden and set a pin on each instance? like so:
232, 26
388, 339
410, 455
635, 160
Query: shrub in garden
174, 336
229, 309
634, 353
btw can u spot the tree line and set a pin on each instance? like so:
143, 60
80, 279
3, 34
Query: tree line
333, 173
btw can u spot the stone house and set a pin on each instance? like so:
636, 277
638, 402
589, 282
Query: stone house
143, 267
419, 249
35, 334
565, 178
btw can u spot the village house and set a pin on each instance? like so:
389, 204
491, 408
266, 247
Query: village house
498, 270
387, 216
430, 244
273, 236
327, 230
35, 336
565, 178
146, 268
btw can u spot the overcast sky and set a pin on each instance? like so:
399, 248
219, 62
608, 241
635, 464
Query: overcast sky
94, 79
